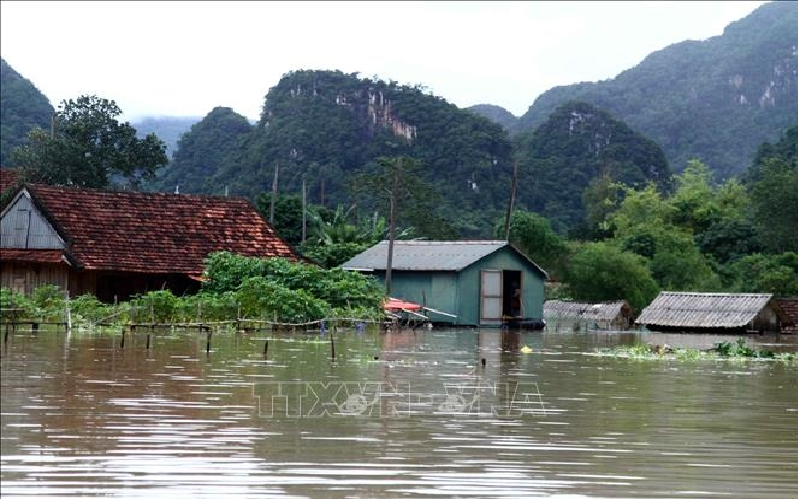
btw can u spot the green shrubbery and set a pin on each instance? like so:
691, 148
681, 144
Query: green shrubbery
297, 289
236, 287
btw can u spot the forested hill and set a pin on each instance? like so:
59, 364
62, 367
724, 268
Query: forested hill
167, 128
497, 114
715, 100
579, 146
329, 125
210, 144
22, 107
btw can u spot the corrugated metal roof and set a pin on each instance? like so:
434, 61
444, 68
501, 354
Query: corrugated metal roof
684, 309
428, 255
562, 309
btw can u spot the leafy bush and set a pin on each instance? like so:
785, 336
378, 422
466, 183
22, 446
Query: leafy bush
332, 255
338, 288
49, 300
260, 297
88, 307
12, 300
207, 307
159, 306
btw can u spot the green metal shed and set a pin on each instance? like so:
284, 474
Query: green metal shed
482, 283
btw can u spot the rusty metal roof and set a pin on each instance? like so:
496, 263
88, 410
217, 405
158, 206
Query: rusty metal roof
711, 310
450, 256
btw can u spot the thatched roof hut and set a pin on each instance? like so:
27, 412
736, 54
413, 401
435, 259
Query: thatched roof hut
613, 314
713, 312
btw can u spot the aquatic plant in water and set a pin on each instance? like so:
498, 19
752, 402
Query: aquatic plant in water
722, 350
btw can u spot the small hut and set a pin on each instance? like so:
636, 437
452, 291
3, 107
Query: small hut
612, 315
477, 283
734, 313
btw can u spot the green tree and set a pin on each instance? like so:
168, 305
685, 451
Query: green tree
89, 147
601, 272
600, 198
659, 229
397, 185
533, 236
729, 239
694, 198
775, 204
760, 273
287, 215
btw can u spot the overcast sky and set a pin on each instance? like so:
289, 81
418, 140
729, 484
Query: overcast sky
185, 58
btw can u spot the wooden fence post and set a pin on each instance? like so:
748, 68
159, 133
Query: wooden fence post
68, 312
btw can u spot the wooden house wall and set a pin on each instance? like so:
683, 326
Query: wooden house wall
767, 320
23, 226
469, 281
26, 277
106, 286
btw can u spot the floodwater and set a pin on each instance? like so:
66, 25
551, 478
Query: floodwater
408, 414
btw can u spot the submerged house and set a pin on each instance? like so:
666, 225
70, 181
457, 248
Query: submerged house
616, 315
485, 283
118, 244
790, 308
735, 313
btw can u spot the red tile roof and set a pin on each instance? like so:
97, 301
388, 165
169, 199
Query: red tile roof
154, 232
32, 255
8, 178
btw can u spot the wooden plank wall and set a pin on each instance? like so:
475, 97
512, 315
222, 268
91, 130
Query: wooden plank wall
26, 277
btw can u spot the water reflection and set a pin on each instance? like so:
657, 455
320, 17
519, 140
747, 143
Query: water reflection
82, 417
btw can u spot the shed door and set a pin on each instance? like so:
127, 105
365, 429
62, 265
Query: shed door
491, 295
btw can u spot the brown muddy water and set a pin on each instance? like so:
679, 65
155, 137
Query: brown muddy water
409, 414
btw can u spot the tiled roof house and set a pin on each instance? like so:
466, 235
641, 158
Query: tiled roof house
117, 244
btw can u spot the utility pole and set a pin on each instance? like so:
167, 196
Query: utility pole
392, 227
274, 195
511, 202
304, 209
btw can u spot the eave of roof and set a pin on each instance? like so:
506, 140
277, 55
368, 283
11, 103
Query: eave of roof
431, 256
33, 255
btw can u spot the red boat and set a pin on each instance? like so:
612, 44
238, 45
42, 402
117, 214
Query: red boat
395, 305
